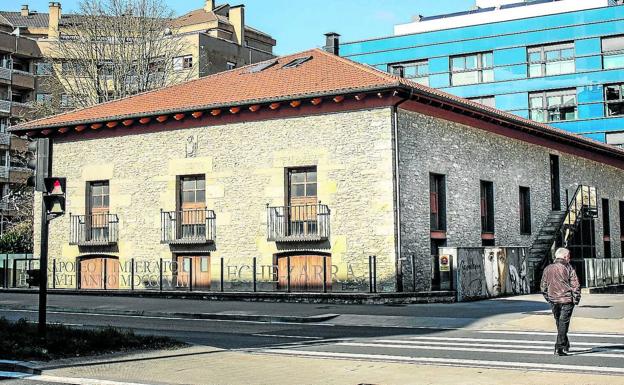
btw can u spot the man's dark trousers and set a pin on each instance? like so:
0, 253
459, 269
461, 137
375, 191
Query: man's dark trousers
562, 313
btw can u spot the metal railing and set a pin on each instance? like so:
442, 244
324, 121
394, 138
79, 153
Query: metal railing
5, 73
187, 226
601, 272
5, 139
583, 205
5, 106
298, 223
4, 172
94, 229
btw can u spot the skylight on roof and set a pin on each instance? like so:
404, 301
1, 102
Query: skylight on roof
297, 62
262, 66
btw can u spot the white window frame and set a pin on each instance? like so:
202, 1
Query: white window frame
543, 62
480, 68
545, 112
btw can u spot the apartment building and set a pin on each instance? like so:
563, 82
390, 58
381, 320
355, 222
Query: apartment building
215, 38
18, 56
559, 62
295, 178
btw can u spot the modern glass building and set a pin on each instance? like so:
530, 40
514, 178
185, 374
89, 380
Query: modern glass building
554, 61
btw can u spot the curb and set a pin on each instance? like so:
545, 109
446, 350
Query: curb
197, 316
285, 297
16, 369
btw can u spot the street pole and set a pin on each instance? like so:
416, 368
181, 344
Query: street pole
43, 257
43, 271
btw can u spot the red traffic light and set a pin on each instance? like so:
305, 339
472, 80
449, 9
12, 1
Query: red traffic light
55, 186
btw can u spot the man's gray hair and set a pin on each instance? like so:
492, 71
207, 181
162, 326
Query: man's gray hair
561, 253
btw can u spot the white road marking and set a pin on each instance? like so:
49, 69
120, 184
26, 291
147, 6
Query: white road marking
528, 342
463, 349
77, 381
449, 361
550, 333
508, 346
286, 336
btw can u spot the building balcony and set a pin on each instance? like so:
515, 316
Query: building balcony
94, 230
5, 106
4, 172
187, 227
23, 79
5, 74
301, 223
5, 139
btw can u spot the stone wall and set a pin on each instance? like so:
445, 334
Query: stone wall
466, 155
244, 165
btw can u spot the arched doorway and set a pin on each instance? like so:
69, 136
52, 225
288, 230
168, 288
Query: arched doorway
99, 272
307, 271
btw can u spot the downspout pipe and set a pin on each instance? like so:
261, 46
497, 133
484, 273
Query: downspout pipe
397, 190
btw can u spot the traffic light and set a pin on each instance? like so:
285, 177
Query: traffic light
54, 196
39, 158
34, 277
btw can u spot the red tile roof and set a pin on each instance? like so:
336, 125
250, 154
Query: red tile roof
324, 75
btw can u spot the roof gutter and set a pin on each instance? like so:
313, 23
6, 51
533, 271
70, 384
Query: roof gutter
19, 128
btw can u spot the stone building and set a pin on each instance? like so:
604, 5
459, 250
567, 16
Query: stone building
296, 170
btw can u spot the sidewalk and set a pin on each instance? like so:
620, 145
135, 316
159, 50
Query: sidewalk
598, 313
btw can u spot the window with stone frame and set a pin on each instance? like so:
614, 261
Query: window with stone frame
487, 207
525, 210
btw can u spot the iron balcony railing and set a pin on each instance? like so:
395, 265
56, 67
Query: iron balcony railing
5, 106
94, 229
298, 223
5, 139
194, 226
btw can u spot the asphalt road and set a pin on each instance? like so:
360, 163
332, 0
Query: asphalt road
524, 350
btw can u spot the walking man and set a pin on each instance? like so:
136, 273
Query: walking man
560, 286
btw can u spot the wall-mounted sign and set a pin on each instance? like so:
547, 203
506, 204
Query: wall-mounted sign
445, 263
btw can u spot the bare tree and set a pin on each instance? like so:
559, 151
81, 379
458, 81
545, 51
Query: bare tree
116, 48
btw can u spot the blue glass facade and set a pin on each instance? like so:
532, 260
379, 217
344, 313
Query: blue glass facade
583, 62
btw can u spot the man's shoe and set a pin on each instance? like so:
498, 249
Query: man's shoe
566, 348
560, 352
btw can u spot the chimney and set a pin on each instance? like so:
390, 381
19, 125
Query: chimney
25, 11
209, 6
237, 19
332, 43
54, 19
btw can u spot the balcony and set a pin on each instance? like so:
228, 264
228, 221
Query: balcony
23, 79
5, 74
187, 227
5, 106
302, 223
94, 230
5, 139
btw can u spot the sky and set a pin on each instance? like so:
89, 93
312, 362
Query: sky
298, 25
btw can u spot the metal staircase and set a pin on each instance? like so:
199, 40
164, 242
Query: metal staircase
560, 227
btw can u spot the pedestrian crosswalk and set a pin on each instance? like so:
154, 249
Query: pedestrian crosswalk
526, 350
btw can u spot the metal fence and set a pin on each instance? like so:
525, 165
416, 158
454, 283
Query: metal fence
600, 272
13, 268
289, 273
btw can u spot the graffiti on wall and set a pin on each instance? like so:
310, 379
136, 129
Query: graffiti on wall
490, 272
